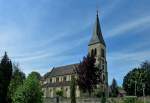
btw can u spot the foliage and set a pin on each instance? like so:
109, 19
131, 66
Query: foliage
103, 99
139, 101
35, 74
135, 79
112, 100
114, 88
29, 92
88, 74
5, 77
59, 93
17, 79
73, 90
98, 92
130, 99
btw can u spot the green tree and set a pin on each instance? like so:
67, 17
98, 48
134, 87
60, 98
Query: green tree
35, 74
5, 77
145, 65
146, 80
114, 88
88, 74
17, 79
29, 92
73, 90
134, 80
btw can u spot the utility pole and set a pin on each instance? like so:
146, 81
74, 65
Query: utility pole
135, 88
143, 85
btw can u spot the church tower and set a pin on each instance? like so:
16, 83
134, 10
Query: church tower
98, 47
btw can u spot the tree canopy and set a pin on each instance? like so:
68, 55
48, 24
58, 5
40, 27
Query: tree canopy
88, 74
136, 79
36, 74
5, 77
15, 88
29, 92
17, 79
114, 88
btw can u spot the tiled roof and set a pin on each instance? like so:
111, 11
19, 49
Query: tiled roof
62, 70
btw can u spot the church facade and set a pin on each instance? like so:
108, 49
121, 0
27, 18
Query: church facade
59, 78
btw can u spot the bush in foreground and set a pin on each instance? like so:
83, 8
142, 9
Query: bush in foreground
73, 90
29, 92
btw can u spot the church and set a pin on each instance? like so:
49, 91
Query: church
59, 78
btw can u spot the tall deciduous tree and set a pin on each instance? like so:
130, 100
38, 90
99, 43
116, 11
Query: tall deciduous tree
146, 80
29, 92
134, 80
35, 74
114, 88
5, 77
17, 79
88, 74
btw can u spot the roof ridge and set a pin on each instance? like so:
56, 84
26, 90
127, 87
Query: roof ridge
64, 65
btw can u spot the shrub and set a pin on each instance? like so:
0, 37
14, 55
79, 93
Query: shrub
73, 90
103, 100
130, 99
59, 93
98, 93
29, 92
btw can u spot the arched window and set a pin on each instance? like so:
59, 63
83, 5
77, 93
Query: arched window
64, 78
66, 89
95, 52
102, 53
57, 79
50, 80
92, 51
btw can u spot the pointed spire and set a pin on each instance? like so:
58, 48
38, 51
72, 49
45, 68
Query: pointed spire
6, 56
97, 34
96, 12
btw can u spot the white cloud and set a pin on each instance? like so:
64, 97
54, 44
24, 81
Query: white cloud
111, 7
52, 52
125, 27
129, 56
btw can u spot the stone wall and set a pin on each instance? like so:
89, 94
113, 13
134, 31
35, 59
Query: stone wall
89, 100
51, 91
67, 100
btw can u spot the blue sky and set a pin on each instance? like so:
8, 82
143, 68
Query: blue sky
41, 34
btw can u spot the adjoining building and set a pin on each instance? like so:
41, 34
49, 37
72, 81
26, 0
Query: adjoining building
59, 78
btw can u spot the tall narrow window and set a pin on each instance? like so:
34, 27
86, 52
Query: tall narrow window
95, 52
64, 78
57, 79
92, 51
66, 89
50, 80
102, 53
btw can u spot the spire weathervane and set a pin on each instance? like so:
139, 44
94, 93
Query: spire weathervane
97, 8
